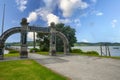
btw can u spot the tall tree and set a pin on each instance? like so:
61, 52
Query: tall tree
43, 41
68, 32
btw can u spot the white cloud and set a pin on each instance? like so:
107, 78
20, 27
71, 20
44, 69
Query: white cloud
21, 4
52, 18
99, 14
30, 35
46, 15
32, 17
42, 13
68, 6
65, 21
114, 23
85, 40
51, 4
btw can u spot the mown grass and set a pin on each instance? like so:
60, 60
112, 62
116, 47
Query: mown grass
27, 70
81, 54
47, 53
12, 55
94, 55
43, 53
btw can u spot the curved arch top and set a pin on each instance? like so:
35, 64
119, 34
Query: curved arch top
65, 41
9, 32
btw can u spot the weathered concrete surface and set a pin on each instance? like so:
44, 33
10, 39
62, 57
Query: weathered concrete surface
81, 67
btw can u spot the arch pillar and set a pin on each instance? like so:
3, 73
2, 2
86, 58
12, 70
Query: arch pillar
1, 50
52, 50
23, 51
53, 34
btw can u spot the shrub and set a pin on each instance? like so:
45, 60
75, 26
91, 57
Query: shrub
76, 51
34, 50
13, 51
92, 53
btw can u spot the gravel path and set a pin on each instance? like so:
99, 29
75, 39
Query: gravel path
81, 67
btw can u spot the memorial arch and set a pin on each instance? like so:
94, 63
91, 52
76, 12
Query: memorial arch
26, 28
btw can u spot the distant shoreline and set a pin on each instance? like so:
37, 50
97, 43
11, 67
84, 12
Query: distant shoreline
96, 44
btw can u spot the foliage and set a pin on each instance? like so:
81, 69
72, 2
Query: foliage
11, 51
76, 51
12, 55
68, 32
88, 53
43, 53
26, 70
96, 44
34, 50
92, 53
47, 53
43, 41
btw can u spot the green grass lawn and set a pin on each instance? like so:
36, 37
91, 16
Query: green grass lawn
43, 53
26, 70
12, 55
47, 53
81, 54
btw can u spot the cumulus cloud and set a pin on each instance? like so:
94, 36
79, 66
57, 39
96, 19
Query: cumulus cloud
21, 4
99, 14
68, 6
42, 13
114, 23
46, 15
31, 36
52, 18
51, 4
65, 21
32, 17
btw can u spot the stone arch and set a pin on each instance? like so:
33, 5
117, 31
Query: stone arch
65, 41
9, 32
4, 36
53, 33
24, 29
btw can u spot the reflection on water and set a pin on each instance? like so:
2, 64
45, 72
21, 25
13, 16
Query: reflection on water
114, 50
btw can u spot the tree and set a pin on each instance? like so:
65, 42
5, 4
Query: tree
68, 32
43, 41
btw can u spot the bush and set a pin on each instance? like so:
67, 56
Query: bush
34, 50
92, 53
13, 51
76, 51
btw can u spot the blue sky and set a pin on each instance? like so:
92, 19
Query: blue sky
93, 20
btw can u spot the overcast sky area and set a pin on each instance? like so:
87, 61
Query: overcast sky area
93, 20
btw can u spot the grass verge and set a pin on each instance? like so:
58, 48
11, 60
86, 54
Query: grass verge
26, 70
47, 53
12, 55
82, 54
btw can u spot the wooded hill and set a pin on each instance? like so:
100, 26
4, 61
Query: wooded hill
96, 44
